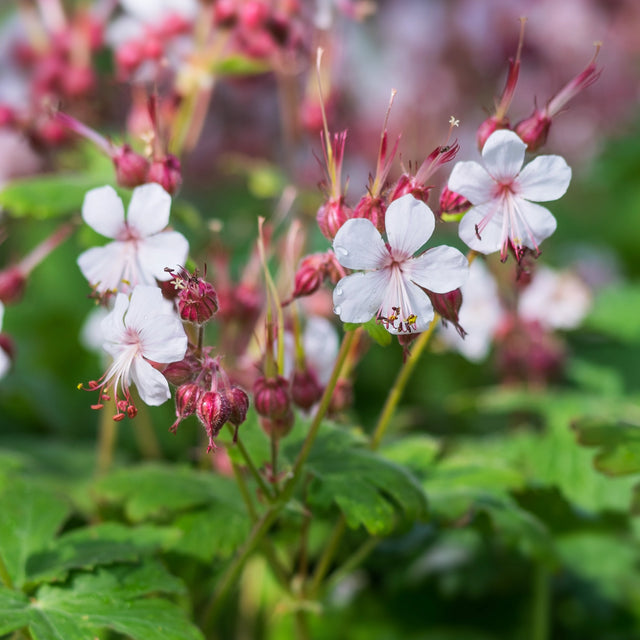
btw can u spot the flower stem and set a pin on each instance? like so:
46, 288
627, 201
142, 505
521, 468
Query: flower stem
400, 383
540, 603
274, 461
5, 578
327, 556
107, 436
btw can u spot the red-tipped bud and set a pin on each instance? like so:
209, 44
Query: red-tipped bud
305, 389
331, 216
491, 124
271, 397
131, 167
167, 173
183, 371
197, 299
12, 284
187, 396
239, 404
278, 427
447, 306
213, 411
372, 209
342, 397
224, 13
534, 129
452, 203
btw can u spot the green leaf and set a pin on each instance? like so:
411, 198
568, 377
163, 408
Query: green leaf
375, 330
48, 196
615, 313
102, 544
13, 610
154, 491
618, 444
367, 488
238, 65
30, 516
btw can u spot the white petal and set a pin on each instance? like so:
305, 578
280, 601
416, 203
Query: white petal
149, 209
471, 181
105, 267
1, 314
440, 269
359, 245
103, 211
151, 384
491, 235
540, 223
166, 249
145, 303
5, 362
321, 344
409, 223
503, 155
545, 178
358, 297
112, 326
164, 340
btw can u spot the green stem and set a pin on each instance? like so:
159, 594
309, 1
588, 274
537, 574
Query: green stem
145, 435
274, 461
302, 625
5, 578
108, 432
264, 487
353, 560
329, 552
403, 377
540, 603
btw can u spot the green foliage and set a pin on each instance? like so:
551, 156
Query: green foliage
375, 330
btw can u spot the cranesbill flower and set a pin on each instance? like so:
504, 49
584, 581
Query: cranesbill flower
503, 194
142, 247
391, 281
140, 330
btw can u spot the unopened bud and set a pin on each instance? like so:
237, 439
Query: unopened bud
278, 427
452, 203
534, 129
373, 209
167, 173
305, 389
447, 306
213, 411
131, 167
491, 124
12, 284
309, 275
331, 216
271, 397
239, 404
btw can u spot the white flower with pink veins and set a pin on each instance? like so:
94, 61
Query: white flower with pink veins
140, 330
142, 246
503, 194
391, 281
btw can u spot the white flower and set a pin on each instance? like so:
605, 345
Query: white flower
141, 249
480, 314
391, 286
139, 330
557, 300
503, 194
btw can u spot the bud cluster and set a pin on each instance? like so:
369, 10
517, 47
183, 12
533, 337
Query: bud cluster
197, 299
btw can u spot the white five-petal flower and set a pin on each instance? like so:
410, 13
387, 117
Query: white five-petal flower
141, 329
390, 283
142, 248
503, 195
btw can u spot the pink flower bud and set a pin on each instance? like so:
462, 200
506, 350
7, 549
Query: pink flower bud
12, 284
305, 389
197, 299
183, 371
213, 411
271, 397
331, 216
78, 81
373, 209
310, 275
253, 14
224, 13
452, 203
491, 124
239, 404
534, 129
278, 427
187, 396
131, 167
167, 173
447, 306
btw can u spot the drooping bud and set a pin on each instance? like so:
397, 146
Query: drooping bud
131, 168
271, 397
197, 299
167, 173
305, 389
183, 371
12, 284
447, 306
278, 427
213, 411
187, 396
452, 203
239, 405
